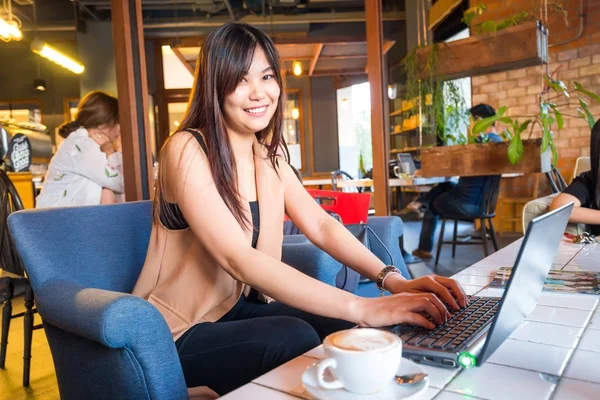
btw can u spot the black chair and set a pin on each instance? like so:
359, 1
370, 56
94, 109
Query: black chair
488, 212
343, 175
555, 180
12, 274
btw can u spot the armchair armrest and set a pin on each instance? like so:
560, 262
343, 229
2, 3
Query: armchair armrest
301, 254
389, 230
119, 321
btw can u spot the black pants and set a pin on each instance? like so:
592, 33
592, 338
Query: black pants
250, 340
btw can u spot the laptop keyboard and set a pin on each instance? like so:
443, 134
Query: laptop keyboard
461, 328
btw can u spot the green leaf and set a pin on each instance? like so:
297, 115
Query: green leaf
483, 124
556, 85
554, 153
546, 138
59, 177
586, 114
524, 126
107, 173
580, 89
559, 118
78, 148
65, 193
515, 149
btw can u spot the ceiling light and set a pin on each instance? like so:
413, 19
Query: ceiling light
9, 30
39, 85
295, 113
56, 56
297, 68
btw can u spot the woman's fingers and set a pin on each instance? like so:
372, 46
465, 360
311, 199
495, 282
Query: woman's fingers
416, 319
424, 304
443, 292
456, 289
439, 305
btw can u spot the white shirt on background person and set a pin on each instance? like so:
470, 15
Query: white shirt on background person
78, 172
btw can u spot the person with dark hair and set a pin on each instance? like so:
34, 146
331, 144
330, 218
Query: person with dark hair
87, 168
463, 198
584, 191
214, 257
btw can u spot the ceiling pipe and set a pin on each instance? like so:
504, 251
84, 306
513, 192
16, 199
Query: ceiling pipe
343, 17
228, 5
275, 20
581, 26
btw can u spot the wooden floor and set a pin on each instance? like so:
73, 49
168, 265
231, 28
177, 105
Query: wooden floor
43, 381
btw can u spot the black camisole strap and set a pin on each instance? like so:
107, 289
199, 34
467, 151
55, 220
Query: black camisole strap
177, 220
199, 139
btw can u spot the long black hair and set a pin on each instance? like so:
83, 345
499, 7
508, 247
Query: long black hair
595, 163
225, 58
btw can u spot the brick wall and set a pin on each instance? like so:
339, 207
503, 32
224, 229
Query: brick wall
578, 60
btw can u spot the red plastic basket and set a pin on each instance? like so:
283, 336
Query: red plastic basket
353, 208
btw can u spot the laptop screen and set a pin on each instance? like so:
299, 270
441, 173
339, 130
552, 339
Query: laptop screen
529, 273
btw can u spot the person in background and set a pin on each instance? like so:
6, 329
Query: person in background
584, 191
462, 198
87, 168
215, 249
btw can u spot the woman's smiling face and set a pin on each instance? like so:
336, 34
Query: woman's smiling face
250, 107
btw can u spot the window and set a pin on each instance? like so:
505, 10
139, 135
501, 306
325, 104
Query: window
21, 111
292, 127
354, 129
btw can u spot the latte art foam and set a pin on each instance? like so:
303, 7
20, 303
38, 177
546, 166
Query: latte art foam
363, 340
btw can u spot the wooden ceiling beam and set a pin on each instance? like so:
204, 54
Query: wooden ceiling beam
183, 60
388, 45
313, 62
335, 72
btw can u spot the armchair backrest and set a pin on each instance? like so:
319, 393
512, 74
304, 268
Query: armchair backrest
101, 247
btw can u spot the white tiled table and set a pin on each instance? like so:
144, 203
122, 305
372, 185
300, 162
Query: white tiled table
554, 354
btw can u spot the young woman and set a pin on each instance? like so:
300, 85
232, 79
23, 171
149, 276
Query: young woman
217, 235
87, 168
584, 191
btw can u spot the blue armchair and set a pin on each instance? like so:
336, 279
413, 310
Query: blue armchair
106, 343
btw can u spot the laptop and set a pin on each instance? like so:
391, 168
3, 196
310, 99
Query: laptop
406, 163
474, 333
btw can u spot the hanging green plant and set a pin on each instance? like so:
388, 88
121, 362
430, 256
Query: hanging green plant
441, 102
550, 116
490, 26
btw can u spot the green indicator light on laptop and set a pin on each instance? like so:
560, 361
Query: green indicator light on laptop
467, 360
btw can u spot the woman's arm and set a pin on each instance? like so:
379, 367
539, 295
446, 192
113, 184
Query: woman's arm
107, 196
94, 165
331, 236
579, 215
191, 185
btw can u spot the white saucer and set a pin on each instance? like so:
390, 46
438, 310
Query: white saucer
391, 392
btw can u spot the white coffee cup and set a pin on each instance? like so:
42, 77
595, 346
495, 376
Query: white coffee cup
363, 361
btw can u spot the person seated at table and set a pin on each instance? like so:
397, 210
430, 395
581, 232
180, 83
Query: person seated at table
87, 168
584, 191
463, 198
214, 255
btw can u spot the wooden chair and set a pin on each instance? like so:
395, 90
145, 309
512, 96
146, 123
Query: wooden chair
343, 175
487, 213
12, 274
583, 164
517, 204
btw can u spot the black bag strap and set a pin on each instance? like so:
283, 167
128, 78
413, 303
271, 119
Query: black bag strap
368, 229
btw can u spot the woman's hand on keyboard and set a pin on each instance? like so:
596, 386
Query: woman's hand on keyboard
403, 308
448, 290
